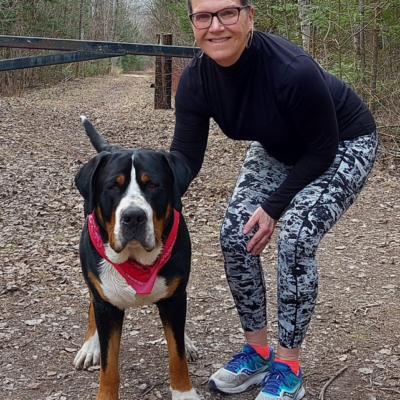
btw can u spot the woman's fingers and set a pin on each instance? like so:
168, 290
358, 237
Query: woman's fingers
251, 223
266, 226
259, 241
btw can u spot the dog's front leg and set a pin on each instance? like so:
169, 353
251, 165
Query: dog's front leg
109, 321
89, 354
173, 317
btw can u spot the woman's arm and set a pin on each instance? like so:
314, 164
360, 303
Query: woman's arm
192, 121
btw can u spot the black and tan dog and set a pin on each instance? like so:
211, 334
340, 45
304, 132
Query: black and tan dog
135, 250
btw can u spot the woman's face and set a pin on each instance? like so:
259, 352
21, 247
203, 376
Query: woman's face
223, 43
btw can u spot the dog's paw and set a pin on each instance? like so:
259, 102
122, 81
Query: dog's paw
191, 349
190, 395
89, 354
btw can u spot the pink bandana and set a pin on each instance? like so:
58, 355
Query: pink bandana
140, 277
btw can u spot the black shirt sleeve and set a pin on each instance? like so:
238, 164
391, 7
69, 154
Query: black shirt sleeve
192, 123
305, 99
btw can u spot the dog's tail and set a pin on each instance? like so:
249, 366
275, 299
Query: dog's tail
97, 141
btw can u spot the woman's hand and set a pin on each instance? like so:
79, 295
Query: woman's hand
266, 226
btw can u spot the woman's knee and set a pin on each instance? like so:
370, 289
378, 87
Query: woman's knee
232, 239
232, 242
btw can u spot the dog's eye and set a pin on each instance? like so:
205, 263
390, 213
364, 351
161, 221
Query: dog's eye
151, 185
117, 183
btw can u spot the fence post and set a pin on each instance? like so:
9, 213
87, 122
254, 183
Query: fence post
163, 76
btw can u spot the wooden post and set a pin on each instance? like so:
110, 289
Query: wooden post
158, 78
167, 73
163, 76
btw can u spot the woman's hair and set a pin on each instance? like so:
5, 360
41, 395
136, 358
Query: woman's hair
242, 2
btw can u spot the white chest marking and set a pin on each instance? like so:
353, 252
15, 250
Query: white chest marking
123, 296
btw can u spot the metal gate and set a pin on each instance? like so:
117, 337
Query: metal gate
84, 50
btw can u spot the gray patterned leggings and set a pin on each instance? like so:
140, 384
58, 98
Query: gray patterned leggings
311, 213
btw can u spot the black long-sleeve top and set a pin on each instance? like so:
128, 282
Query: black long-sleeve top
275, 94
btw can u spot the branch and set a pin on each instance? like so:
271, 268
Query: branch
322, 394
156, 384
364, 27
390, 390
388, 126
383, 9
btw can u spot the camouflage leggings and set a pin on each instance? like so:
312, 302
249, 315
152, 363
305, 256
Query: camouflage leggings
311, 213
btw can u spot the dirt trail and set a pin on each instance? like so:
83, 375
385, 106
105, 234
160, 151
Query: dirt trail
43, 299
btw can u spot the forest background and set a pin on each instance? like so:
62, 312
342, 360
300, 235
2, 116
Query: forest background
357, 40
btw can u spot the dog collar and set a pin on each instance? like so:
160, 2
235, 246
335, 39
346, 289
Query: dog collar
140, 277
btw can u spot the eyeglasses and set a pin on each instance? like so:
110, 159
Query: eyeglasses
226, 16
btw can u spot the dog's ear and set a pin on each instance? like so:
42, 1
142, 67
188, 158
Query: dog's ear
182, 177
84, 180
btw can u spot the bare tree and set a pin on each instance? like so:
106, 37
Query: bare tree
305, 24
375, 57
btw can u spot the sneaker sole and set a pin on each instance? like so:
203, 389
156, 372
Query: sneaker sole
301, 393
254, 380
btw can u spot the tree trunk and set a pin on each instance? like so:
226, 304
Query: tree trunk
326, 49
303, 6
80, 27
361, 45
339, 41
375, 54
286, 20
114, 60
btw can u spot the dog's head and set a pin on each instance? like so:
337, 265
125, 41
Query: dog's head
131, 191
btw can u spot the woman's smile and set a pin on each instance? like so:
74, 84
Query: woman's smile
219, 40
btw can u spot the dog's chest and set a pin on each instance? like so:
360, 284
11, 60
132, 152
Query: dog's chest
123, 296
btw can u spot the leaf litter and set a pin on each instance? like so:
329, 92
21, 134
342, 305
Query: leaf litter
44, 301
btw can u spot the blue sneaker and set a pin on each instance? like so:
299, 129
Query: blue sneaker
245, 369
282, 383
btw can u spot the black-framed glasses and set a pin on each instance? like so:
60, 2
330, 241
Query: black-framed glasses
226, 16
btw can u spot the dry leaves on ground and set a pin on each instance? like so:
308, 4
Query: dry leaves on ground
43, 298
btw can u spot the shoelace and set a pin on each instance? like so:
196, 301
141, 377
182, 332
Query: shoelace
238, 360
272, 382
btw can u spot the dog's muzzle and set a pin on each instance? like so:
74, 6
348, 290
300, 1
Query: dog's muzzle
135, 225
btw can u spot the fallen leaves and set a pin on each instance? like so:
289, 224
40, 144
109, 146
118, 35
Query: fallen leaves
33, 322
366, 371
44, 301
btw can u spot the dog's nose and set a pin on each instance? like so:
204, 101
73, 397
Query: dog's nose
133, 217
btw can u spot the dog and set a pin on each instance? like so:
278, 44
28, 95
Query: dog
135, 250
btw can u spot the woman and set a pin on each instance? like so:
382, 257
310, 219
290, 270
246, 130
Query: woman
313, 145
